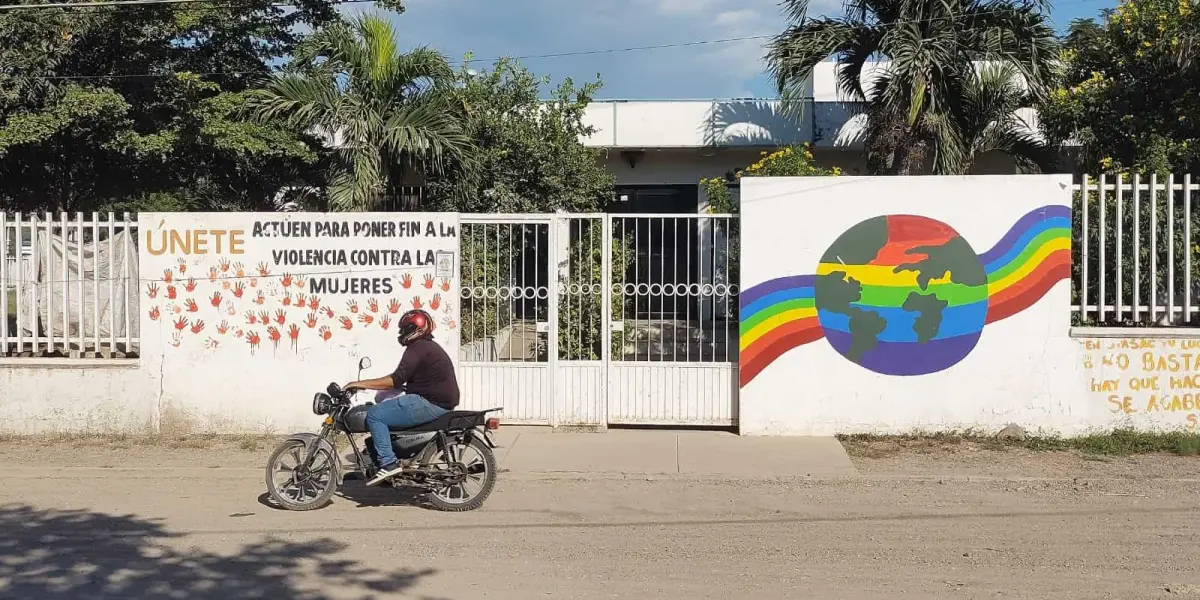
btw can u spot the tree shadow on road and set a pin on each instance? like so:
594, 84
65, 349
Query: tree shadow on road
81, 555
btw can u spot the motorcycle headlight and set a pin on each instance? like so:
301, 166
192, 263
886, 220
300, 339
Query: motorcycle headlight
322, 403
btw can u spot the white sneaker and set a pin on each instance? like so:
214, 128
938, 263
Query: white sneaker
395, 469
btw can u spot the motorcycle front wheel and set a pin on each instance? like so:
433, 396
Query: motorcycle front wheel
295, 488
472, 468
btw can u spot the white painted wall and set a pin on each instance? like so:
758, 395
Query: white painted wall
1024, 369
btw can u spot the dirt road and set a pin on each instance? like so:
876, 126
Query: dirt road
137, 525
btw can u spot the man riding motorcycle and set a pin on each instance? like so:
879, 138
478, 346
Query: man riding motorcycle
426, 375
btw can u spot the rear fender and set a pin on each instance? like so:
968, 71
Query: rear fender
311, 441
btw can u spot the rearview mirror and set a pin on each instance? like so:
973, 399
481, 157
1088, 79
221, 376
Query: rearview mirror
364, 363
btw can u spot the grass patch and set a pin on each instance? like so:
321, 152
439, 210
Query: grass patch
1121, 442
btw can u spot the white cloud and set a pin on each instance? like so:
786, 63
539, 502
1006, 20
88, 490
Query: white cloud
538, 27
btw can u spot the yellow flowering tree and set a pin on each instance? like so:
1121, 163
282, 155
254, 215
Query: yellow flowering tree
1130, 93
789, 161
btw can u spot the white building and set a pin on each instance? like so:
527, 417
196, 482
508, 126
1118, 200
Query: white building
660, 149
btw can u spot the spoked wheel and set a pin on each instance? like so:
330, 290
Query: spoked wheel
467, 475
296, 488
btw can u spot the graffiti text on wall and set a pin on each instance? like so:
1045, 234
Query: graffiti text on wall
1142, 376
299, 282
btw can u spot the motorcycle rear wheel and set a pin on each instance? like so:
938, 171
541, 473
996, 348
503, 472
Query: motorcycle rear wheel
479, 479
308, 490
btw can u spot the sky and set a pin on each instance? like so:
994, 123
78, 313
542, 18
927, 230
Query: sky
527, 28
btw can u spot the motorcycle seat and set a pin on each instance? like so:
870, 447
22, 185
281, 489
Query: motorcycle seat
453, 420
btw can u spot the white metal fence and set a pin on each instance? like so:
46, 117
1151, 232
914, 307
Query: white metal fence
592, 319
69, 285
1134, 241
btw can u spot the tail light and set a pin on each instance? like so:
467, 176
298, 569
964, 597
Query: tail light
493, 423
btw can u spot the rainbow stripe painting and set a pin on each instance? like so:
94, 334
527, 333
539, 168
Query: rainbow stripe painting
905, 295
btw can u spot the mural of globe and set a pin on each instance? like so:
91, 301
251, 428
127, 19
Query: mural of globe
901, 295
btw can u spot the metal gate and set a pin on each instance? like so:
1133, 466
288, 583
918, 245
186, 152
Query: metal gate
598, 319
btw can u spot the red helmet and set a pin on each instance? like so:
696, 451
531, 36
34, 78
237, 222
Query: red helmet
414, 325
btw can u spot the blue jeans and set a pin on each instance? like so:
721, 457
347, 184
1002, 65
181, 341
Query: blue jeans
408, 410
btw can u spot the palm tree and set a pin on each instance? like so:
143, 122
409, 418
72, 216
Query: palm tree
390, 113
930, 46
989, 118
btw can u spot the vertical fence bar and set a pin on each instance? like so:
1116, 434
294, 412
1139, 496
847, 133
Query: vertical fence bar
1137, 247
1153, 247
112, 286
1188, 248
1170, 220
1083, 256
63, 233
5, 278
1102, 264
50, 277
125, 282
95, 273
80, 325
1118, 281
606, 236
19, 231
552, 339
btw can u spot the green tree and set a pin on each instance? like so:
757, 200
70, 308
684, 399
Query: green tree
930, 47
392, 113
136, 107
989, 118
1130, 95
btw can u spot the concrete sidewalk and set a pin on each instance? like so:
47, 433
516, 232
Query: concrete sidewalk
543, 450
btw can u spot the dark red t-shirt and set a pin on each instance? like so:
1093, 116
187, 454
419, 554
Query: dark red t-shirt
428, 372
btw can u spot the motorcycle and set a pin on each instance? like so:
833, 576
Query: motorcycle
450, 459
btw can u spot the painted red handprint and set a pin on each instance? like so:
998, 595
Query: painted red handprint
373, 305
294, 335
365, 319
264, 317
428, 281
253, 340
394, 306
171, 293
287, 300
347, 324
445, 285
352, 306
224, 264
226, 285
260, 298
182, 266
435, 302
406, 281
239, 269
175, 308
191, 305
223, 327
325, 333
300, 281
416, 302
239, 289
273, 335
314, 302
216, 299
251, 318
152, 290
287, 280
168, 276
190, 285
212, 273
180, 323
449, 323
301, 301
198, 326
328, 312
154, 313
385, 322
237, 333
280, 317
176, 338
263, 269
311, 321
